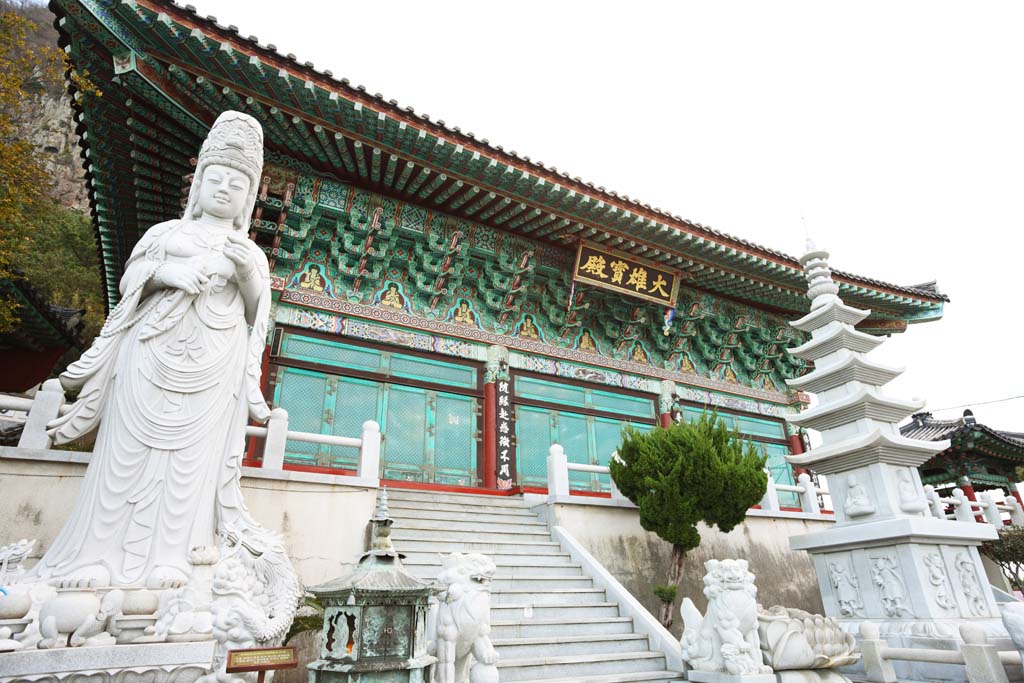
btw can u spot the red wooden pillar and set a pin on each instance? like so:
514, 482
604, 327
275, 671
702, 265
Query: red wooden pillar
665, 402
499, 425
490, 463
968, 489
1015, 493
796, 447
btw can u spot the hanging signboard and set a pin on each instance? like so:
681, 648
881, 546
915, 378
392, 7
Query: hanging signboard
626, 275
506, 429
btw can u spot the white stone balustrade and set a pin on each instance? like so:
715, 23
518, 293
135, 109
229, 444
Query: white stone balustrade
966, 510
49, 403
806, 490
982, 662
559, 491
558, 474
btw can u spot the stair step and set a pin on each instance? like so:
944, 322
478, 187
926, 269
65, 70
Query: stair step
411, 508
486, 547
641, 677
561, 627
500, 559
539, 583
499, 527
509, 612
517, 648
513, 571
532, 668
462, 535
551, 596
572, 634
396, 495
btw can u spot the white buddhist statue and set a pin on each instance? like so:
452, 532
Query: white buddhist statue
171, 382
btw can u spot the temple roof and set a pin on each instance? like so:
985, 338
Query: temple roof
41, 325
965, 434
166, 73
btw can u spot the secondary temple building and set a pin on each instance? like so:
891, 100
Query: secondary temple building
477, 304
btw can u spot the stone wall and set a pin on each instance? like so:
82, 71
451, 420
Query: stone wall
324, 525
640, 559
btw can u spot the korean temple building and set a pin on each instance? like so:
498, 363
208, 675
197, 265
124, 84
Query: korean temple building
978, 458
43, 335
476, 303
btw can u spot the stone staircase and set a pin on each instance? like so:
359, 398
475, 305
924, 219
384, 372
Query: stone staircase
549, 623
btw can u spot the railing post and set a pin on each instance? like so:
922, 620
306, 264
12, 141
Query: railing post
980, 658
934, 502
991, 512
46, 406
369, 452
616, 493
963, 510
877, 668
558, 473
770, 500
277, 437
1016, 513
809, 496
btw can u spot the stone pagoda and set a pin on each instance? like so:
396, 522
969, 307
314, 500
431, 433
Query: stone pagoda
887, 559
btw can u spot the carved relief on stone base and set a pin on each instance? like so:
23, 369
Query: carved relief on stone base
942, 592
845, 585
887, 576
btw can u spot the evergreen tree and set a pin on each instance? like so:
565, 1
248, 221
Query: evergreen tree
689, 473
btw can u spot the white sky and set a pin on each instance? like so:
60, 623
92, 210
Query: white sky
895, 129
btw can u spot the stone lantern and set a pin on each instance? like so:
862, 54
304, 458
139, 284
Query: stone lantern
375, 617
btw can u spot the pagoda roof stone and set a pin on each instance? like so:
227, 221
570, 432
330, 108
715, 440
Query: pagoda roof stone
847, 367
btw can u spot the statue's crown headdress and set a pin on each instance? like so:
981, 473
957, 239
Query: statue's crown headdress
235, 137
235, 140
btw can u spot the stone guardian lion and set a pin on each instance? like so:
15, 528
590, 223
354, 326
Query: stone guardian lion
460, 621
725, 639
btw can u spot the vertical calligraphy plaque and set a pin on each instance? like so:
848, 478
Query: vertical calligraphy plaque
504, 434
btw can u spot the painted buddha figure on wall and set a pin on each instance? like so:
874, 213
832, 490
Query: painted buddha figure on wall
527, 330
312, 279
586, 342
392, 298
463, 314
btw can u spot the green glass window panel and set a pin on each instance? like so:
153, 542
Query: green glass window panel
621, 404
607, 439
574, 437
533, 440
355, 402
405, 434
455, 440
781, 471
552, 392
323, 351
690, 413
768, 429
429, 370
303, 394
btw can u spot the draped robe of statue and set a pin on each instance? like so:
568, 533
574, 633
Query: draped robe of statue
172, 381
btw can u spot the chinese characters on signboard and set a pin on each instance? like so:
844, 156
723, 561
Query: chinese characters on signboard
261, 659
505, 434
608, 270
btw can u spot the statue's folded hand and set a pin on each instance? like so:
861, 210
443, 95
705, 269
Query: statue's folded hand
239, 253
180, 276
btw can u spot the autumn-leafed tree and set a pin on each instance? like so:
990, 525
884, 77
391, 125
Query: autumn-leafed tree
32, 71
688, 473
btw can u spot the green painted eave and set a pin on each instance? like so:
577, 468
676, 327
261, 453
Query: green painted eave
176, 71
